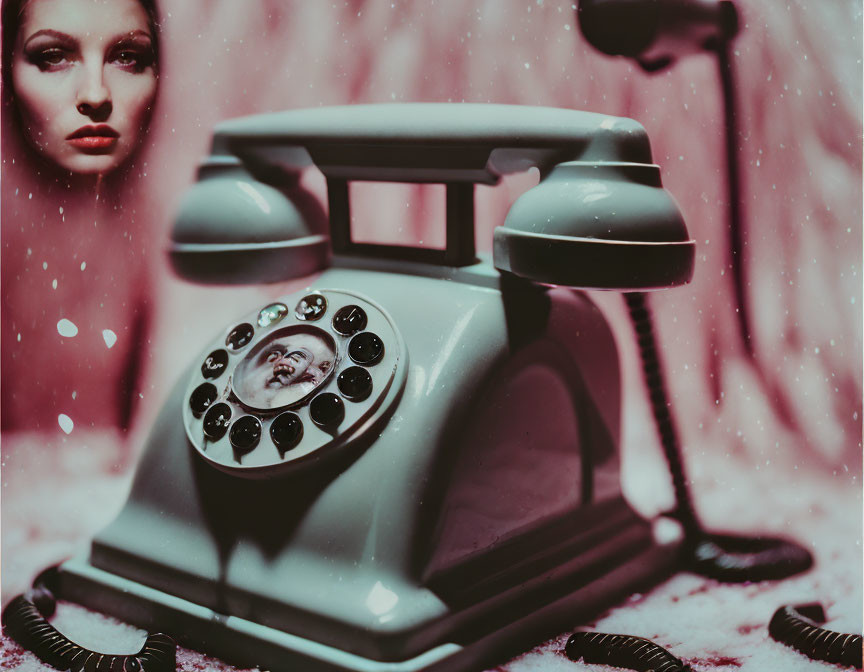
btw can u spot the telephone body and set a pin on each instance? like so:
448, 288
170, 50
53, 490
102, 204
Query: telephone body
413, 463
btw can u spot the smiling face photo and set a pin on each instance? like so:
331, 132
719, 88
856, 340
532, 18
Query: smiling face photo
84, 80
284, 368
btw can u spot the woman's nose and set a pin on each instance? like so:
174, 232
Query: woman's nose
94, 97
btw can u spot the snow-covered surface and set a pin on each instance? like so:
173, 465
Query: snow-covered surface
59, 490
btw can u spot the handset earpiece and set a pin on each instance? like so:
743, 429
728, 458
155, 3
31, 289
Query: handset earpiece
232, 228
597, 225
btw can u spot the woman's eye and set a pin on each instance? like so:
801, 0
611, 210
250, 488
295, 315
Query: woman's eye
134, 60
50, 59
54, 57
127, 58
272, 356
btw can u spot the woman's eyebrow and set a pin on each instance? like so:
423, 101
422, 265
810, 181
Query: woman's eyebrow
131, 35
47, 32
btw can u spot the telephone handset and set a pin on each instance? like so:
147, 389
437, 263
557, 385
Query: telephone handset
426, 442
599, 218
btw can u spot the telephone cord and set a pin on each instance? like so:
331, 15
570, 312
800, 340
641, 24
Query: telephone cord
724, 557
795, 626
634, 653
25, 619
798, 627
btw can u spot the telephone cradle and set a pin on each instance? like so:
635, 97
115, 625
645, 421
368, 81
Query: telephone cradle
413, 463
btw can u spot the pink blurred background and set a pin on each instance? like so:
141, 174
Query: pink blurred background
800, 100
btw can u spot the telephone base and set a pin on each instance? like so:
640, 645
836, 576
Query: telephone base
549, 608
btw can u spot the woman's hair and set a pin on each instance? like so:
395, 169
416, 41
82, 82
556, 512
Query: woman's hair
12, 16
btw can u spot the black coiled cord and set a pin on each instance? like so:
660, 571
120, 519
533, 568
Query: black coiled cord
25, 621
634, 653
798, 626
722, 557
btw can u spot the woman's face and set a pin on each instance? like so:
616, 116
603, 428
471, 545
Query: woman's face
84, 79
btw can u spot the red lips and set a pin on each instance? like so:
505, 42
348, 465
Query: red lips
99, 139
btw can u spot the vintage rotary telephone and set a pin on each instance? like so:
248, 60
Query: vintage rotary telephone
413, 463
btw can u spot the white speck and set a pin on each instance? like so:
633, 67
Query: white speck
61, 209
44, 265
527, 66
29, 251
30, 196
65, 423
74, 394
380, 599
19, 336
54, 283
83, 265
110, 338
816, 350
566, 26
67, 328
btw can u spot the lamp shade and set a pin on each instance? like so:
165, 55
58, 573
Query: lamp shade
234, 229
597, 226
657, 32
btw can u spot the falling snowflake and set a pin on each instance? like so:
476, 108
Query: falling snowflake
65, 423
67, 328
110, 338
